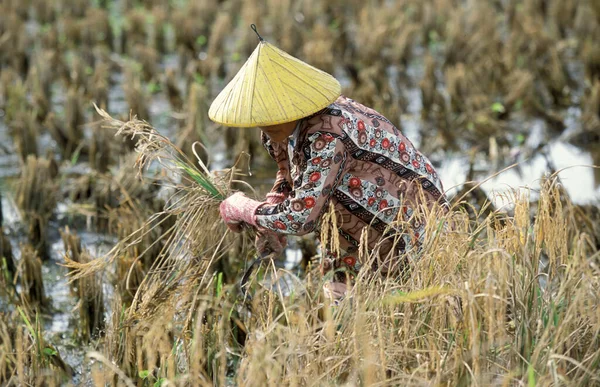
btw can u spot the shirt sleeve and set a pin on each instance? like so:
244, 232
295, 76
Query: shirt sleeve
300, 213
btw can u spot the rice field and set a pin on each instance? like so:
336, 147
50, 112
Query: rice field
117, 270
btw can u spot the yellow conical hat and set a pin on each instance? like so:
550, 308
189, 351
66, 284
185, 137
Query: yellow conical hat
271, 88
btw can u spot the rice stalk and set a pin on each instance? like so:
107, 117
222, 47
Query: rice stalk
197, 237
30, 278
36, 197
8, 269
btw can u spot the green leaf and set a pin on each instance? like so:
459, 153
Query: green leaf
199, 79
201, 40
497, 107
159, 382
520, 138
334, 25
236, 56
531, 376
27, 323
202, 180
49, 352
219, 284
5, 272
75, 156
519, 104
153, 87
144, 374
136, 66
434, 37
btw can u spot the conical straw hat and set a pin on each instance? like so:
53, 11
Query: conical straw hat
271, 88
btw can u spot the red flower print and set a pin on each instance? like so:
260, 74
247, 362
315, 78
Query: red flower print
280, 225
328, 137
309, 202
372, 143
319, 143
405, 157
290, 217
383, 204
356, 192
361, 125
315, 176
316, 161
350, 261
362, 138
371, 201
428, 168
385, 143
297, 205
402, 147
416, 164
354, 182
326, 163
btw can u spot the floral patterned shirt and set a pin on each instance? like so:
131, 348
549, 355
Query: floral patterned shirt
352, 156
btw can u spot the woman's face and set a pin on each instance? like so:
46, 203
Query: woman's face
279, 132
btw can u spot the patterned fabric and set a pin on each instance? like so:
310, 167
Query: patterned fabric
352, 156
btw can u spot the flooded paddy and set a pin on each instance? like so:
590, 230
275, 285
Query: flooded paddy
500, 95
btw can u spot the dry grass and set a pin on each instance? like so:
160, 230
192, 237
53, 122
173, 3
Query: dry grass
501, 298
36, 196
189, 246
511, 299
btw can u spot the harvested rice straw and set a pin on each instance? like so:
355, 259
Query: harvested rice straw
329, 231
198, 235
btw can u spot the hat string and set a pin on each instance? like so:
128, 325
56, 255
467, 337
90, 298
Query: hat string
253, 26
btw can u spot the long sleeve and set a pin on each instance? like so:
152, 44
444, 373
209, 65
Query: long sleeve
325, 165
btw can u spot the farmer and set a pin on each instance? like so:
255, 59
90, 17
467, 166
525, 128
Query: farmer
329, 149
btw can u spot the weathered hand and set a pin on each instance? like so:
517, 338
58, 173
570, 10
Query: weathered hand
268, 242
237, 210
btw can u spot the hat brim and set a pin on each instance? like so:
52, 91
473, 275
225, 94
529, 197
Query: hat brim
272, 88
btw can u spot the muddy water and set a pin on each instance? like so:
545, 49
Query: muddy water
536, 157
61, 322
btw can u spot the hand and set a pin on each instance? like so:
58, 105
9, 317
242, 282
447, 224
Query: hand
237, 210
269, 242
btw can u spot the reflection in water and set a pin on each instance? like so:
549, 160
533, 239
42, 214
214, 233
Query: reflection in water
576, 174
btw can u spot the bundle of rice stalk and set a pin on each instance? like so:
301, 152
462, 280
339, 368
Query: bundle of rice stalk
198, 236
